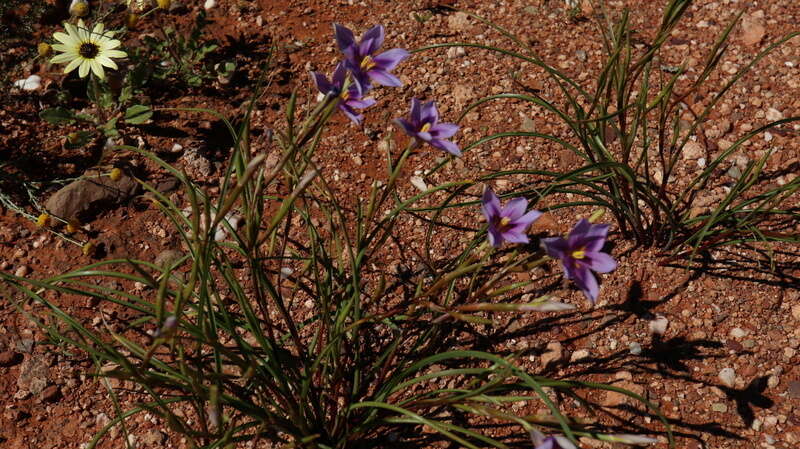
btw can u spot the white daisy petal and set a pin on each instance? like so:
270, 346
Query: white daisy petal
72, 65
115, 54
62, 58
98, 29
64, 38
83, 70
111, 44
97, 68
106, 61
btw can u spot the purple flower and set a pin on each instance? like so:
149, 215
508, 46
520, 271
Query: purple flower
350, 99
508, 223
550, 442
580, 254
423, 125
358, 57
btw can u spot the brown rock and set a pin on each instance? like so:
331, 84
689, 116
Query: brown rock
88, 195
753, 29
9, 358
51, 394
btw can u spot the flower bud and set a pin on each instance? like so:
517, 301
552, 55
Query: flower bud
115, 174
43, 220
79, 8
44, 49
163, 4
87, 249
132, 20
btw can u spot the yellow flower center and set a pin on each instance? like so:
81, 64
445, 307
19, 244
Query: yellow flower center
88, 50
344, 95
367, 63
579, 254
425, 129
504, 222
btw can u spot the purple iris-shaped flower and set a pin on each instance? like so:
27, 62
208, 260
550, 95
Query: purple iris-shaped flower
360, 60
350, 99
423, 125
550, 442
507, 223
580, 254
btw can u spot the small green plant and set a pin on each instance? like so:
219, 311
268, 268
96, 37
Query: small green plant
285, 329
630, 132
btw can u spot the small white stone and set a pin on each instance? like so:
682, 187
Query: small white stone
701, 162
21, 271
580, 354
635, 348
774, 114
209, 4
659, 325
728, 377
419, 183
737, 332
31, 83
177, 148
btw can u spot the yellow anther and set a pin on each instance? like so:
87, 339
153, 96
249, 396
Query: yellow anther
579, 254
345, 95
367, 63
425, 128
504, 222
43, 220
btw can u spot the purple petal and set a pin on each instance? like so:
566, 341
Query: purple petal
515, 208
490, 205
595, 237
563, 442
344, 37
429, 114
547, 443
416, 108
556, 247
339, 75
537, 437
515, 237
495, 237
600, 262
526, 219
407, 126
585, 280
388, 60
323, 85
361, 80
578, 232
360, 104
443, 130
384, 78
424, 136
364, 47
350, 113
446, 145
375, 36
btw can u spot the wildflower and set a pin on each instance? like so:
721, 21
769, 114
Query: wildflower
44, 49
79, 8
550, 442
349, 99
508, 223
87, 249
423, 125
580, 254
43, 220
358, 57
30, 83
86, 50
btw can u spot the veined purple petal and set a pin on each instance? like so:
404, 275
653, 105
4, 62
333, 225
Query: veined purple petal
323, 85
416, 109
595, 237
443, 130
360, 103
351, 113
364, 47
361, 80
585, 280
537, 437
527, 219
344, 37
446, 145
556, 247
515, 237
515, 208
384, 78
495, 237
375, 36
429, 114
339, 75
407, 126
424, 136
600, 262
388, 60
578, 232
490, 204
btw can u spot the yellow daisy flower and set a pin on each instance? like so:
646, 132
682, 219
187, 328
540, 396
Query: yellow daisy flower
86, 50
